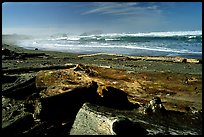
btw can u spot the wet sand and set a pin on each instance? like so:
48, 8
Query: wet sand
115, 61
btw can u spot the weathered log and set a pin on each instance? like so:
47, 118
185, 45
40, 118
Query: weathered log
9, 54
90, 122
14, 117
8, 79
18, 124
147, 58
30, 55
34, 69
21, 90
37, 129
98, 120
68, 102
49, 129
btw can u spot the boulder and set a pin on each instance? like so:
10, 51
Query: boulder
9, 54
115, 98
154, 105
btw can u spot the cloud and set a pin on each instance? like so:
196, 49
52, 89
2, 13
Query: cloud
123, 8
129, 16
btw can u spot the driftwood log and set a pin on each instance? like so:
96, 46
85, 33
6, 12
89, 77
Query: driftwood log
35, 69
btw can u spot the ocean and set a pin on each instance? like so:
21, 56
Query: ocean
181, 43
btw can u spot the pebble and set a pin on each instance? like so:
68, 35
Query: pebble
167, 94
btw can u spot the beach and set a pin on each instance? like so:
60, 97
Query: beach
177, 81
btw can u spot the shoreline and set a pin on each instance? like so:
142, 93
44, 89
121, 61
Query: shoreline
144, 63
187, 55
13, 40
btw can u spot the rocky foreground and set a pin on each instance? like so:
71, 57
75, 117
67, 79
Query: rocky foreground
59, 94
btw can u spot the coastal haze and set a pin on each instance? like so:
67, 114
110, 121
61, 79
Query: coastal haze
129, 28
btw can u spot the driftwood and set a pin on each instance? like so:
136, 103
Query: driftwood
29, 55
9, 54
147, 58
21, 89
31, 69
18, 124
99, 120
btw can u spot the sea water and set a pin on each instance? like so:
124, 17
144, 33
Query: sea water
180, 43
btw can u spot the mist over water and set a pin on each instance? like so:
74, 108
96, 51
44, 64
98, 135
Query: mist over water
182, 43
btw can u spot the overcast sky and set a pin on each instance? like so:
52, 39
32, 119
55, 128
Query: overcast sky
109, 17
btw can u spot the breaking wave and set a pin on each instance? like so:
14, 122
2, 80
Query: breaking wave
152, 43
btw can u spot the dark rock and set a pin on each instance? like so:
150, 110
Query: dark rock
6, 52
115, 98
155, 105
184, 61
200, 61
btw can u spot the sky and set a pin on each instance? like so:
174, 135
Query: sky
35, 18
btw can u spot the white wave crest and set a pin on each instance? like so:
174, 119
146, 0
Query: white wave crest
155, 34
